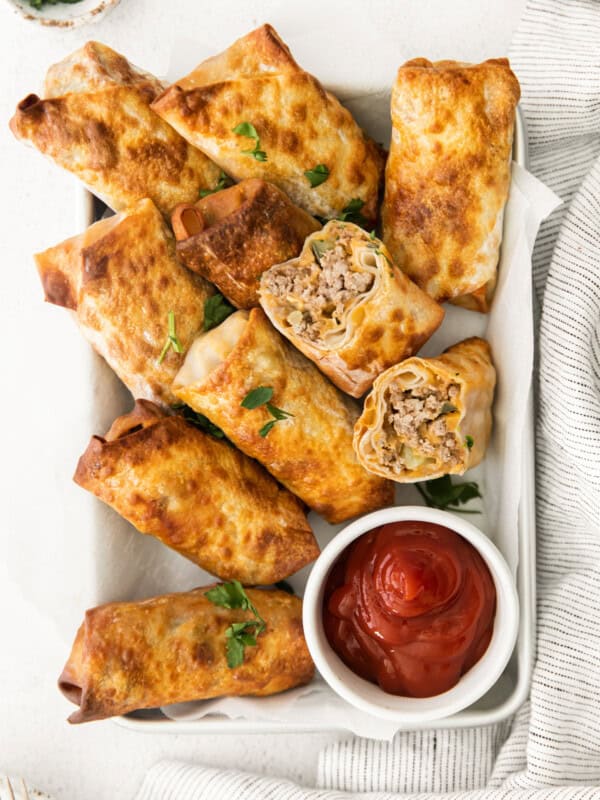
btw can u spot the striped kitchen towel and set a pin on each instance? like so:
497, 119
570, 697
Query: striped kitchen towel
551, 750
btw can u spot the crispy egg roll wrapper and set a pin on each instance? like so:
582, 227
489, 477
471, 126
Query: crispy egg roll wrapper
346, 306
199, 496
242, 231
429, 417
299, 124
448, 175
96, 122
171, 649
121, 278
311, 452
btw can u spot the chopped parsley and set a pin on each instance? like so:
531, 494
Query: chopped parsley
223, 183
172, 339
238, 635
261, 396
216, 309
249, 131
443, 494
469, 442
317, 175
351, 213
199, 421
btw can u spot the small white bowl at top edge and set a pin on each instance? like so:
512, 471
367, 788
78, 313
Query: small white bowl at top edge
64, 15
368, 696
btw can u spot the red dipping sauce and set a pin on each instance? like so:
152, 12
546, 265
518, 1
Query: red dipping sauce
410, 606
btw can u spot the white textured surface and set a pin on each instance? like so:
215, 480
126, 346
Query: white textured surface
38, 201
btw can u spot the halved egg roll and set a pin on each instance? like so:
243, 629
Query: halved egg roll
346, 306
96, 122
129, 293
429, 417
303, 437
257, 114
448, 175
199, 496
231, 237
172, 648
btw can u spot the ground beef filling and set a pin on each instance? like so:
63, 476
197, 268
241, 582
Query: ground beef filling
320, 291
414, 415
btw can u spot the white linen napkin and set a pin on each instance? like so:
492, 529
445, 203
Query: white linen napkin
551, 750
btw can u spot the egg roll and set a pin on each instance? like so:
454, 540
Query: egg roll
198, 495
296, 126
310, 450
171, 649
122, 279
231, 237
346, 306
448, 175
429, 417
96, 122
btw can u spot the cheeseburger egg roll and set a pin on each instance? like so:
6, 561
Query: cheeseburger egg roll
231, 237
199, 496
346, 306
276, 406
133, 301
429, 417
172, 648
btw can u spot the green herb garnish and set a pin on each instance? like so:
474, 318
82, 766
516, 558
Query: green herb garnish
448, 408
261, 397
469, 442
317, 175
351, 213
216, 309
199, 420
249, 131
172, 340
443, 494
372, 235
320, 247
223, 183
40, 3
239, 635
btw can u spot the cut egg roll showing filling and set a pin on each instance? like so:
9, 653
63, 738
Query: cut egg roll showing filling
429, 417
344, 304
276, 406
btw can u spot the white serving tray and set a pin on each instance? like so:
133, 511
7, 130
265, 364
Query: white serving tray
111, 399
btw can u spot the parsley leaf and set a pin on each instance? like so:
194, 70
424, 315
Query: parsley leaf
249, 131
246, 129
216, 309
261, 397
172, 339
223, 182
351, 213
443, 494
469, 442
320, 247
238, 635
199, 420
257, 397
317, 175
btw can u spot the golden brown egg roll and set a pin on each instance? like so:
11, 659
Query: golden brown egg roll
448, 175
429, 417
310, 451
122, 279
199, 496
298, 125
103, 130
231, 237
171, 649
346, 306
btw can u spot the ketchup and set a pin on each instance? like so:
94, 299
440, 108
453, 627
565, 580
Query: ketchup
410, 606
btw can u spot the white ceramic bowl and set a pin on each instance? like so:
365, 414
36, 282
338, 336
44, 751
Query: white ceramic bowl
64, 15
369, 697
